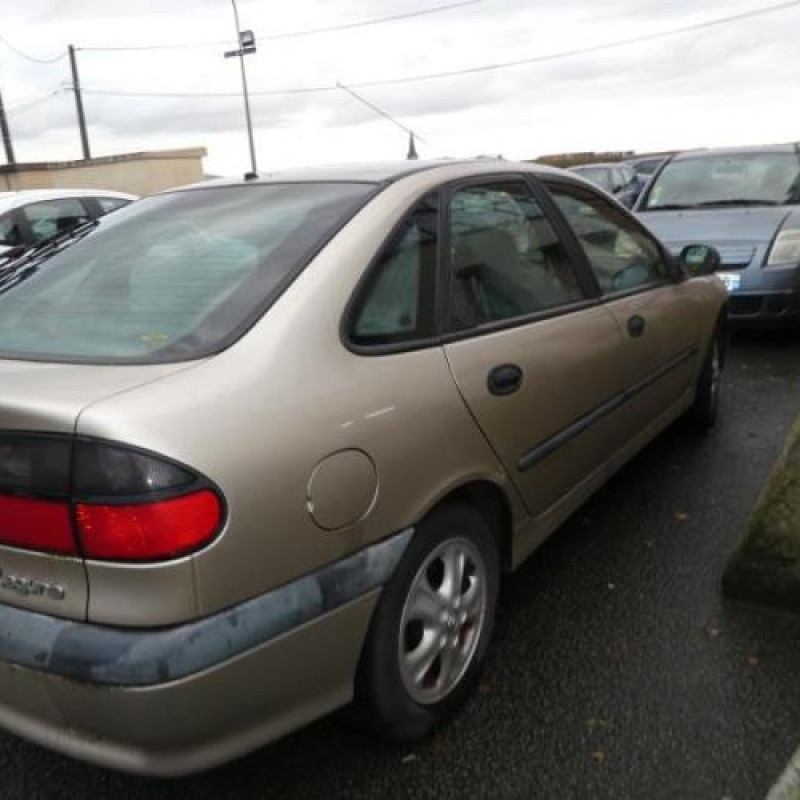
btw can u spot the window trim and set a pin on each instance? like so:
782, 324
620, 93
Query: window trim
449, 190
428, 285
367, 279
672, 277
537, 185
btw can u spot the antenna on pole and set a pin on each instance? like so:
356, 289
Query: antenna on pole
412, 148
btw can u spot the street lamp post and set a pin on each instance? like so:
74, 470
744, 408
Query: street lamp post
247, 45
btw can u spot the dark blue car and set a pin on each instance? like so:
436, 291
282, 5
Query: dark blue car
746, 203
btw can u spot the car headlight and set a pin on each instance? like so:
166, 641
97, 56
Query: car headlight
786, 248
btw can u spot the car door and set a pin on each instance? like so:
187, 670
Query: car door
656, 312
536, 358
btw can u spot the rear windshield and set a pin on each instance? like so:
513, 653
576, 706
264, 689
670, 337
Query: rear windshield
736, 179
171, 277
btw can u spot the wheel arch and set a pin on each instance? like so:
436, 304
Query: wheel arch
493, 503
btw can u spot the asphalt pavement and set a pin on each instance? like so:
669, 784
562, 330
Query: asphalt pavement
618, 669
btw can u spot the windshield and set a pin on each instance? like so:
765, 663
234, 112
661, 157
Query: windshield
171, 277
599, 176
720, 180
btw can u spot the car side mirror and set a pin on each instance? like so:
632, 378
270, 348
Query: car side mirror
699, 260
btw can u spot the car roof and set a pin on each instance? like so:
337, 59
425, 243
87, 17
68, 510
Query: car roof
380, 172
736, 151
9, 200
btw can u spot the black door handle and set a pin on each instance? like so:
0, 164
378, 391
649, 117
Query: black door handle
636, 326
505, 379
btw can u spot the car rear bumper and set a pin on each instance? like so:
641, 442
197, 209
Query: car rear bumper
178, 700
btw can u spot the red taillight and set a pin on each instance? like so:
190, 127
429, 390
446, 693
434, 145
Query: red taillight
36, 524
149, 531
101, 500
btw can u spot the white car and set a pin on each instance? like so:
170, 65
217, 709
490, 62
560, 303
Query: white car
28, 217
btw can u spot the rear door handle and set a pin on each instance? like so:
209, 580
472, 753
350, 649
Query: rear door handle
504, 379
636, 326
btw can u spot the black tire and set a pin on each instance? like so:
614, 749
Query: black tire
705, 410
383, 703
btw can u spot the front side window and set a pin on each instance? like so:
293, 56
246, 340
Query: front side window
621, 256
506, 259
53, 216
397, 304
727, 180
172, 277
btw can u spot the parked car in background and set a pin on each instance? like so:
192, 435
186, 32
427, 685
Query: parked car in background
615, 178
645, 166
30, 216
746, 203
267, 446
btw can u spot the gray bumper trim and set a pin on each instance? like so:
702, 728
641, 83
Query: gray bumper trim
128, 657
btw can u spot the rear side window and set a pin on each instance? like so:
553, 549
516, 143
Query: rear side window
53, 216
172, 277
621, 256
506, 259
397, 303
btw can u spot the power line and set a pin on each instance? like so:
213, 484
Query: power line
381, 112
294, 34
22, 108
28, 57
583, 50
477, 69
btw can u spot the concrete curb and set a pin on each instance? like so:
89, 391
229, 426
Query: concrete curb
788, 785
766, 566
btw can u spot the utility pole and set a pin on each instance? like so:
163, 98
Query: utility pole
76, 86
247, 45
6, 134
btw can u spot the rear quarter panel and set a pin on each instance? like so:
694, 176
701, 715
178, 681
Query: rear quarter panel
259, 417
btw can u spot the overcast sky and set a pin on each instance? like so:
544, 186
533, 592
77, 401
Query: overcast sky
730, 84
